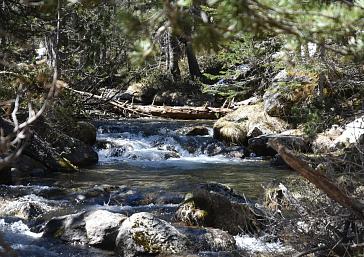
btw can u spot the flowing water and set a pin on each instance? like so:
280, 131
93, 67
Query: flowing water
144, 165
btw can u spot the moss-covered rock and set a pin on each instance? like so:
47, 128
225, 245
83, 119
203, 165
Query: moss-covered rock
217, 206
289, 87
144, 234
245, 122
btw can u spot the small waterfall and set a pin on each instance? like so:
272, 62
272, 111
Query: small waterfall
143, 141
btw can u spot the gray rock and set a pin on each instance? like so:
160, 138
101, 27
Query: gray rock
247, 121
353, 134
144, 234
98, 228
68, 228
68, 149
209, 239
102, 228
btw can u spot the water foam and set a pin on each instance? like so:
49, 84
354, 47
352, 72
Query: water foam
258, 245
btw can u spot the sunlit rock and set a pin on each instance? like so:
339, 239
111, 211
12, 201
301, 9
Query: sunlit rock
98, 228
144, 234
247, 121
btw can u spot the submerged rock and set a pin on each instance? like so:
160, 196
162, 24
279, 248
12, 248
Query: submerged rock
27, 207
217, 206
98, 228
198, 131
143, 234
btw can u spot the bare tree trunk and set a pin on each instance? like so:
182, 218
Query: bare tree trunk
193, 65
173, 56
318, 179
321, 82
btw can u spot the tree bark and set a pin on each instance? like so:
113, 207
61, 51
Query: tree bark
173, 56
318, 179
193, 65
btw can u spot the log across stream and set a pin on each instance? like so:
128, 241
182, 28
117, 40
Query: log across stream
172, 112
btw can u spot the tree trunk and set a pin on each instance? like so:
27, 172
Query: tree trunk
321, 82
173, 56
318, 179
193, 66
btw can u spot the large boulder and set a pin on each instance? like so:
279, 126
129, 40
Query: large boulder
323, 141
50, 149
38, 154
97, 228
143, 234
247, 121
102, 228
69, 148
353, 134
217, 206
41, 152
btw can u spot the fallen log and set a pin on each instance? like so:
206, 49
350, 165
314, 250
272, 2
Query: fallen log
318, 179
172, 112
183, 112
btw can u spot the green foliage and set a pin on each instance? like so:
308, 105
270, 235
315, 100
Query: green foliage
311, 118
65, 110
6, 92
158, 81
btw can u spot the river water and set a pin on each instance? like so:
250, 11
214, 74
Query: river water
144, 165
